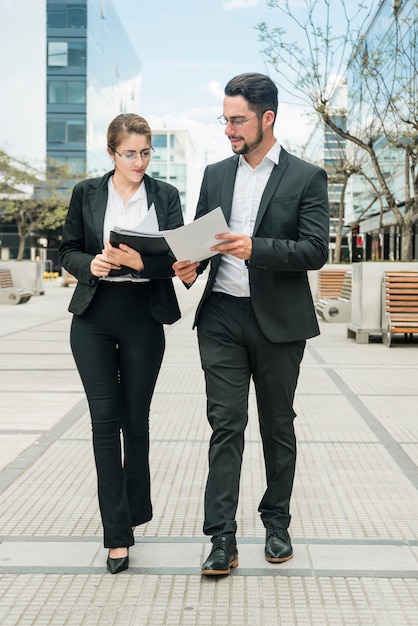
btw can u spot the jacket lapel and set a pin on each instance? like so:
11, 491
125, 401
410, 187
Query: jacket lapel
272, 183
152, 189
98, 195
228, 187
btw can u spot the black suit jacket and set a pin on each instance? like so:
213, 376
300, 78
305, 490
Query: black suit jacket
290, 237
82, 239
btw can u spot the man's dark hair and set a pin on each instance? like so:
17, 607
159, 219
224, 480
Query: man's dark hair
258, 89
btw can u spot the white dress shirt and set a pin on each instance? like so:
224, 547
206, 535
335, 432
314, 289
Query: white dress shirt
232, 275
128, 216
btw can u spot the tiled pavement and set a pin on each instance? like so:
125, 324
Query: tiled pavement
355, 502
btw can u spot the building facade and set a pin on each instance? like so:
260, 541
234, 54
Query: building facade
74, 69
380, 100
92, 75
174, 160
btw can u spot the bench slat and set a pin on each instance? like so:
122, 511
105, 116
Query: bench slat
401, 302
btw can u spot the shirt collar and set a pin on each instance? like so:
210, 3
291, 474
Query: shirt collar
273, 155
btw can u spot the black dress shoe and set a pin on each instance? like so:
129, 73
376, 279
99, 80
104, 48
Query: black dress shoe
278, 545
117, 565
222, 557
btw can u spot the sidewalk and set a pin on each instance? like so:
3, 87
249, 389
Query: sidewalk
354, 507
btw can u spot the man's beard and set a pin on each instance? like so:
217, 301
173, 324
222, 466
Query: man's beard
249, 147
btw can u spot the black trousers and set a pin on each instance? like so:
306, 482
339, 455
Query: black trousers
118, 349
233, 349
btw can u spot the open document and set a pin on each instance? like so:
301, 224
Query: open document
191, 242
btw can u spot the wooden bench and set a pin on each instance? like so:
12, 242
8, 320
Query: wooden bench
399, 305
337, 306
9, 294
330, 283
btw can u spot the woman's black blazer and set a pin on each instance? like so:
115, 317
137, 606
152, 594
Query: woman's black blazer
82, 239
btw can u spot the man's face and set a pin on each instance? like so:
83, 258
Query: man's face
247, 137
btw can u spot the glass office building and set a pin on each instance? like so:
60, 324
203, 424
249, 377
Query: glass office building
92, 75
174, 160
67, 68
379, 109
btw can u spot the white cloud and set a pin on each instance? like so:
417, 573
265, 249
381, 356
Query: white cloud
240, 4
215, 88
293, 126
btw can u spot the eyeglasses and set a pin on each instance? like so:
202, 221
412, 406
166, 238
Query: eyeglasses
131, 157
236, 123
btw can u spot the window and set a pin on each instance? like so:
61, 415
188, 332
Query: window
67, 16
77, 54
56, 16
56, 131
76, 130
57, 53
75, 164
63, 131
66, 92
57, 91
66, 54
76, 92
76, 16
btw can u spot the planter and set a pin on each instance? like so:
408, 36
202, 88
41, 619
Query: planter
27, 275
366, 297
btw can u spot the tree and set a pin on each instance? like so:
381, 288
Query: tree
383, 121
30, 200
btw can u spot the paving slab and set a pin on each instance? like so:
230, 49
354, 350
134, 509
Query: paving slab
354, 507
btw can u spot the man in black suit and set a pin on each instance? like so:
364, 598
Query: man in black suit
256, 311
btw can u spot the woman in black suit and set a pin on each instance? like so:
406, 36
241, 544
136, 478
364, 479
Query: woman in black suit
121, 301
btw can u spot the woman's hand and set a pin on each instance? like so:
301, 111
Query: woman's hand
101, 266
124, 255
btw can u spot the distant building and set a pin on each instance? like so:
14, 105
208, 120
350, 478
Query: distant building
174, 161
394, 23
93, 74
67, 69
327, 149
73, 69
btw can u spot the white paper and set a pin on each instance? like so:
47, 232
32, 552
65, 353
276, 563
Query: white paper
150, 223
148, 226
193, 241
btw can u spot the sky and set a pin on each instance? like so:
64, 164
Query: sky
188, 50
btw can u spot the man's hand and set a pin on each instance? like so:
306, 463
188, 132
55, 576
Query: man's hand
186, 271
238, 245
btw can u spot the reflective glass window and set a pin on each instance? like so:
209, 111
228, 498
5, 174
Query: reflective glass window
57, 53
159, 141
66, 92
77, 54
76, 92
76, 16
57, 91
57, 17
76, 130
75, 165
56, 131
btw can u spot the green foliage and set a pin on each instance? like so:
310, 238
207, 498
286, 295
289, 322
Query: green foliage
30, 199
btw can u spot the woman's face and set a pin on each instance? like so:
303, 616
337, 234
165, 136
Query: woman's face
132, 156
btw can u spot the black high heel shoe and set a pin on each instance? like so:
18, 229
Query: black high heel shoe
117, 565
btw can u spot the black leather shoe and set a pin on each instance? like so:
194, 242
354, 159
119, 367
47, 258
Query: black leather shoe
222, 557
117, 565
278, 545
